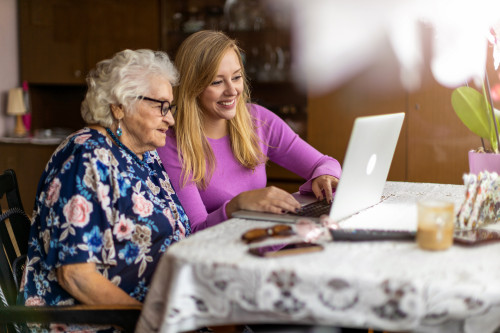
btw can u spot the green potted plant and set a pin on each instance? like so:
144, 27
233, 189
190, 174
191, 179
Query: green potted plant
473, 108
477, 112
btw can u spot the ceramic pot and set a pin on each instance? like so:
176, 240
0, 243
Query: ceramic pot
484, 161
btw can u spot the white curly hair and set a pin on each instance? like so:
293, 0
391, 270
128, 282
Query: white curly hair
119, 80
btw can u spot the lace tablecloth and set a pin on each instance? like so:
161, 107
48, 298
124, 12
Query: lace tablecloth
210, 279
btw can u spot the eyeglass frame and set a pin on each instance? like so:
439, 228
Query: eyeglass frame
171, 107
258, 234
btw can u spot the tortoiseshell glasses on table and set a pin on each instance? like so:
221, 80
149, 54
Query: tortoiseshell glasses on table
258, 234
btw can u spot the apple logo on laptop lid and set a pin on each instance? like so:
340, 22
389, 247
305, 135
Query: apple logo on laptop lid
371, 164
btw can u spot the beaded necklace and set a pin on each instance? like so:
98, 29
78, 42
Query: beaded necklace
121, 145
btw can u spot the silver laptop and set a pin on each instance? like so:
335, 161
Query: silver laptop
364, 172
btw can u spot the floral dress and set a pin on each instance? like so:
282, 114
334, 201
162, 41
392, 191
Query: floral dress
98, 203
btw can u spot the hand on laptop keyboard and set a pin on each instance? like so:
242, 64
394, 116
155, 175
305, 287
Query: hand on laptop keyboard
323, 186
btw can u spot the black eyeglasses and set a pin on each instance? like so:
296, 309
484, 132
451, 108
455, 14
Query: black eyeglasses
164, 105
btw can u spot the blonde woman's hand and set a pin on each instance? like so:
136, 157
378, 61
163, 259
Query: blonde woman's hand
323, 186
269, 199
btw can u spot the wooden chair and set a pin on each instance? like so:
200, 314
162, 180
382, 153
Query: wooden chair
14, 234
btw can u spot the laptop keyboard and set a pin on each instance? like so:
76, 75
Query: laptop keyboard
315, 209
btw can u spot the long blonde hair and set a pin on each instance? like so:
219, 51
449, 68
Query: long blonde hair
198, 60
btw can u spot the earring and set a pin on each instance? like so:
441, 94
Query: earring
119, 131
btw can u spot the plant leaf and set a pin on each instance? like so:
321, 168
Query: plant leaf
474, 111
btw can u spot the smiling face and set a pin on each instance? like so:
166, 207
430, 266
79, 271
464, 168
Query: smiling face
220, 98
145, 128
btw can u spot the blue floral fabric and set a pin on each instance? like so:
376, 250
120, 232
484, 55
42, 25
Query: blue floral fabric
95, 203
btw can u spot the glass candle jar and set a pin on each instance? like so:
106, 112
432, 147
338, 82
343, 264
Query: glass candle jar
435, 224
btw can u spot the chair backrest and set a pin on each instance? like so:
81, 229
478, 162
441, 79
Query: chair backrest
14, 235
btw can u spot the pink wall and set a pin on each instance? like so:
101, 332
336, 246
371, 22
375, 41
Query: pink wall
9, 63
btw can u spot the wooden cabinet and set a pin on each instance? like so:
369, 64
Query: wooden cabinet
61, 40
433, 143
267, 55
437, 141
331, 117
28, 161
265, 41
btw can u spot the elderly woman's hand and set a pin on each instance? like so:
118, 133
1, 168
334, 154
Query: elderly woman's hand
85, 284
323, 186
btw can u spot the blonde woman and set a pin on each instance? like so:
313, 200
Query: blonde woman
217, 153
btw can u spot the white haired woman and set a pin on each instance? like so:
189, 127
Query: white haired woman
105, 209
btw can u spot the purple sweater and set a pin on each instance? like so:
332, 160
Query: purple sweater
284, 147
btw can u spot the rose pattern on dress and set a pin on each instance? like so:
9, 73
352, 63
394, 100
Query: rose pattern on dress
82, 138
35, 301
142, 206
98, 205
103, 195
124, 228
53, 192
77, 211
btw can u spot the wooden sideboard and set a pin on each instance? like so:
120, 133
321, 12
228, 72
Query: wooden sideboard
61, 40
28, 161
69, 37
433, 145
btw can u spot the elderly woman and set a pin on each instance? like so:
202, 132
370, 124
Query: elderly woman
105, 209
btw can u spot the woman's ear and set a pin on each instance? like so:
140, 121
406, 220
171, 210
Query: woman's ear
117, 111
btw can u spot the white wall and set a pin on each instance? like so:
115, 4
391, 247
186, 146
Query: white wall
9, 63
